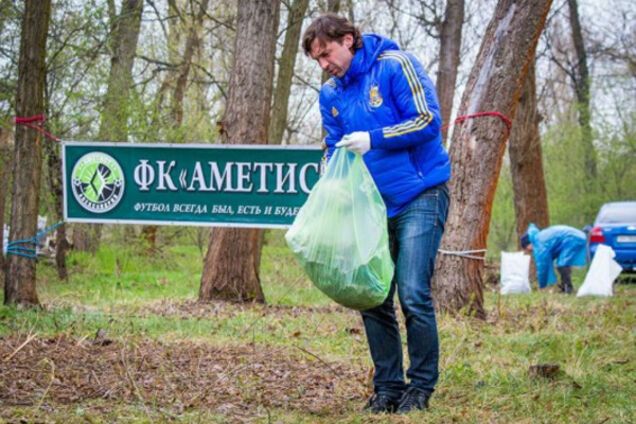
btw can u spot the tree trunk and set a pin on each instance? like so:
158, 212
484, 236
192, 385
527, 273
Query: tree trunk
478, 146
6, 165
125, 34
55, 180
526, 163
61, 247
581, 81
148, 237
286, 71
333, 6
84, 237
231, 268
19, 287
114, 115
149, 232
449, 49
192, 42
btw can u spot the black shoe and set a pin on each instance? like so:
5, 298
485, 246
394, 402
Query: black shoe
413, 398
379, 403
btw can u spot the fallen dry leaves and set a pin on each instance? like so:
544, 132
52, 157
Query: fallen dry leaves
66, 370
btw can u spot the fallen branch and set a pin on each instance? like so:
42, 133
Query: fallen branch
318, 358
52, 364
28, 340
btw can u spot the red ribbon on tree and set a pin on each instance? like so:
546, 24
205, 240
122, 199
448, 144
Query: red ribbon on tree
463, 118
35, 122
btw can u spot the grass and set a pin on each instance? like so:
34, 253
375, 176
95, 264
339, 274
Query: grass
484, 365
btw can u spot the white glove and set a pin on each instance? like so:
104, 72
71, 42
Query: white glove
357, 142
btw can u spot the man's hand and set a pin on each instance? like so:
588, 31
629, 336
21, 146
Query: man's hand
357, 142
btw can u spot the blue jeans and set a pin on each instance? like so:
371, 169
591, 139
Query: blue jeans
414, 237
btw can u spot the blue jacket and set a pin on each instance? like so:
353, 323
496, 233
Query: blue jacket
386, 92
560, 242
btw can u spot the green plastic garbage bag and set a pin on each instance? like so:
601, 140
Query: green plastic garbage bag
340, 235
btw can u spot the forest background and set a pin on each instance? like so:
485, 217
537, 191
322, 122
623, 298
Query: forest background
183, 62
161, 71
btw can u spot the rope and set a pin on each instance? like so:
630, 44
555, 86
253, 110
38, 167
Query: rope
35, 122
468, 254
463, 118
22, 247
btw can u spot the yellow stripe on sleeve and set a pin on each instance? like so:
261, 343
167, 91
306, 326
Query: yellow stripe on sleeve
419, 98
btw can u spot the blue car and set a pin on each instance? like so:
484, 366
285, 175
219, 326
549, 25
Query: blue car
615, 226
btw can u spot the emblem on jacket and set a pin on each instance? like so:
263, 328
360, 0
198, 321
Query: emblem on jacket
375, 98
334, 111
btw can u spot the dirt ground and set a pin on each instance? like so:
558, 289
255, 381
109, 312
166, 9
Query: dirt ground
44, 372
210, 310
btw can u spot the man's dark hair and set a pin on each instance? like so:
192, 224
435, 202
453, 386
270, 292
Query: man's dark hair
330, 27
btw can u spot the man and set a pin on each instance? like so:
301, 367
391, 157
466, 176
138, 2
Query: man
380, 103
564, 244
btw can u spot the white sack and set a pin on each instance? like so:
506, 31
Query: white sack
515, 270
602, 273
5, 239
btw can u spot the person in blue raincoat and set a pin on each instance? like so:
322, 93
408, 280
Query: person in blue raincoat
560, 243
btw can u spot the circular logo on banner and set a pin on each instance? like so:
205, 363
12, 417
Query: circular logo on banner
98, 182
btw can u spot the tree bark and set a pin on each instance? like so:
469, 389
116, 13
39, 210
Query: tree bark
286, 71
232, 265
192, 42
6, 165
581, 77
19, 287
114, 115
449, 49
55, 180
332, 6
478, 146
125, 35
526, 162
